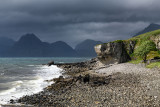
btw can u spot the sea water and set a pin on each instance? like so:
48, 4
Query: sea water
26, 76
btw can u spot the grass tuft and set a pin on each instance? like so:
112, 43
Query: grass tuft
153, 65
136, 61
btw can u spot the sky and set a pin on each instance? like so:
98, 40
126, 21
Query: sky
74, 21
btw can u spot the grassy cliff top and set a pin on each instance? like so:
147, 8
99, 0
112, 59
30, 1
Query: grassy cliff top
138, 40
152, 33
146, 35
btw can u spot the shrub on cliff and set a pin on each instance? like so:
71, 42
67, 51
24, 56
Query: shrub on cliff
144, 49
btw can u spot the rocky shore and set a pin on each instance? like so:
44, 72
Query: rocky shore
93, 84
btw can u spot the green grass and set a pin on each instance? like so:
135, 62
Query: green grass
136, 61
140, 38
152, 33
153, 65
143, 37
117, 41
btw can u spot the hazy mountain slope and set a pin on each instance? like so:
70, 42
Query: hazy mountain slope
149, 28
5, 44
63, 49
86, 48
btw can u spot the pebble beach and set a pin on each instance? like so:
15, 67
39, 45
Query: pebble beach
120, 85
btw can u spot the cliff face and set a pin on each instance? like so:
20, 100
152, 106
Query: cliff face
113, 52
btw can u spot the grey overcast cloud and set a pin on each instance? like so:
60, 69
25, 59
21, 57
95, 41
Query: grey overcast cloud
73, 21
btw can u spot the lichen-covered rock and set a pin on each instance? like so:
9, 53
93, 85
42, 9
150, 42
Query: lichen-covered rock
113, 52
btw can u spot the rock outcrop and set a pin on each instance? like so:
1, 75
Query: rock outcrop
112, 52
73, 68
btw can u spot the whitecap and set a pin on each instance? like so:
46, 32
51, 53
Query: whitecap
29, 87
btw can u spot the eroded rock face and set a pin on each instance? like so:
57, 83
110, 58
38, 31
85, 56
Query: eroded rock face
111, 53
131, 47
156, 40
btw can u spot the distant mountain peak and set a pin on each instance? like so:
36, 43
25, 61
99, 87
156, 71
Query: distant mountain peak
153, 25
29, 37
149, 28
29, 45
60, 42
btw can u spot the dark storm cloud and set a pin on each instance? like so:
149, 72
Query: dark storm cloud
76, 20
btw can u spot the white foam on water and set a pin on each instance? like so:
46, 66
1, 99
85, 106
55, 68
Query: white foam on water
29, 87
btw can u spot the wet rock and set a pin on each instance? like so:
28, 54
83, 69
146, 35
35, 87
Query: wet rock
86, 78
60, 79
11, 101
73, 68
50, 63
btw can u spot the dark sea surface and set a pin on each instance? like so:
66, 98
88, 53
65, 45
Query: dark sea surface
26, 76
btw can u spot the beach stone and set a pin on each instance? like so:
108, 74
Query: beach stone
11, 101
86, 78
60, 79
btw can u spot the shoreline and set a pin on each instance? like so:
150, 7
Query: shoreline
36, 85
63, 66
92, 84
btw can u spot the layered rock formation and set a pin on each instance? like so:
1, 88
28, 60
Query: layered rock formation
112, 52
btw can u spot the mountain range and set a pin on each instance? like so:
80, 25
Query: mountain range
29, 45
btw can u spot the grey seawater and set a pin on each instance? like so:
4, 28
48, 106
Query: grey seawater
26, 76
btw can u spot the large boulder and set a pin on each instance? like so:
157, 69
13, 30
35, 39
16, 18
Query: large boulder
112, 52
